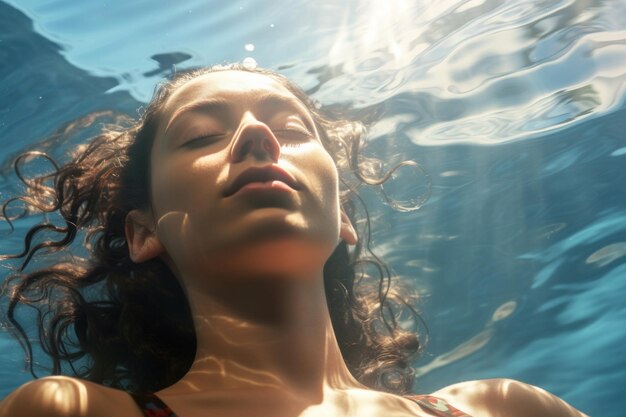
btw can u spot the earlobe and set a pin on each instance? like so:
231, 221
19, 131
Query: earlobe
347, 232
143, 242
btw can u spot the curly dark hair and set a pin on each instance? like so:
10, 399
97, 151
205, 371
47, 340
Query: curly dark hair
128, 325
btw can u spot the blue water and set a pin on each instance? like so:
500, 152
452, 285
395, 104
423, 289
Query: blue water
514, 110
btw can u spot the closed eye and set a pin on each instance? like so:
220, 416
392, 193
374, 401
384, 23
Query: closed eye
203, 140
298, 132
295, 128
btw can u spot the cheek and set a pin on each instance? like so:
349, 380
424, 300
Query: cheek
324, 179
325, 165
184, 195
181, 184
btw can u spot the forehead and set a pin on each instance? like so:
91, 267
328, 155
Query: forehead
238, 86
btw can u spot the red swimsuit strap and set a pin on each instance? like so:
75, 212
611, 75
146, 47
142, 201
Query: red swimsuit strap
437, 406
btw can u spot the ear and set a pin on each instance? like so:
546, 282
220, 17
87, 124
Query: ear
347, 232
143, 243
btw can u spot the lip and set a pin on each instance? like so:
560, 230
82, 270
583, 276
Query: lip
262, 178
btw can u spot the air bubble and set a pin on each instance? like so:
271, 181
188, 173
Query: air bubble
408, 187
249, 63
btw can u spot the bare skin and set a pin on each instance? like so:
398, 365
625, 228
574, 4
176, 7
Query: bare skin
69, 397
251, 264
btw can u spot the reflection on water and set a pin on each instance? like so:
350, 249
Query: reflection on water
486, 71
550, 230
167, 62
463, 350
619, 152
608, 254
472, 345
504, 311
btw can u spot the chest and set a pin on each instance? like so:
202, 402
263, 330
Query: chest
367, 405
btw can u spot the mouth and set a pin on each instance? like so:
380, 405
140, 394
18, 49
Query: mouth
271, 176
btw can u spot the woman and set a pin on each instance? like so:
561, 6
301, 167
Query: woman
220, 236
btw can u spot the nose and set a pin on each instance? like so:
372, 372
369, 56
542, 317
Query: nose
256, 139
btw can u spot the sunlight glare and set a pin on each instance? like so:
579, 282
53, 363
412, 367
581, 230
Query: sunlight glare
377, 27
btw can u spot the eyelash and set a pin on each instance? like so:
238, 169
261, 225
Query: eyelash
295, 126
214, 137
300, 130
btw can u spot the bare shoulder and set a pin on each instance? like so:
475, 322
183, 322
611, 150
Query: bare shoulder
505, 397
60, 396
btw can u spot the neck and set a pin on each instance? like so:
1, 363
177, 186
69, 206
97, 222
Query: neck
272, 336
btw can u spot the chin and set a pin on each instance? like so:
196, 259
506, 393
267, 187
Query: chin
281, 258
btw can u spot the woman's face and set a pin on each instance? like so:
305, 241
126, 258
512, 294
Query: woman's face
241, 182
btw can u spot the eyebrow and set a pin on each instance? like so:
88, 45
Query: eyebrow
220, 105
